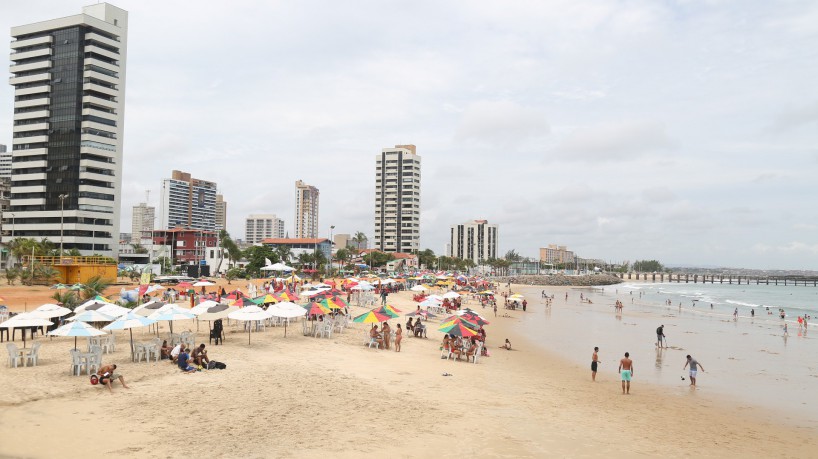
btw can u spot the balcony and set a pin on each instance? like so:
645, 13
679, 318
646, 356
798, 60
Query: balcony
45, 87
101, 102
45, 76
40, 65
16, 57
17, 44
44, 101
31, 127
100, 89
102, 64
102, 52
32, 139
101, 39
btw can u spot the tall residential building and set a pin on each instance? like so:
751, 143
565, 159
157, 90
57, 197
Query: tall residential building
263, 226
556, 254
221, 213
475, 240
5, 163
142, 221
397, 200
69, 99
188, 203
306, 210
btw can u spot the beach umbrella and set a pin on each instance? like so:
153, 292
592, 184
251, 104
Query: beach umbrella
317, 309
217, 311
184, 285
129, 322
286, 310
111, 310
458, 320
457, 329
516, 296
77, 286
287, 295
92, 316
475, 319
148, 308
430, 302
59, 286
49, 310
385, 310
418, 288
25, 320
243, 301
371, 317
277, 267
171, 313
75, 329
266, 299
203, 283
422, 313
203, 307
250, 313
451, 295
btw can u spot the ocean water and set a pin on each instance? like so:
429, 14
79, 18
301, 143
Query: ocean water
748, 361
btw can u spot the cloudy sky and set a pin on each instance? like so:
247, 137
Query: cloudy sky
678, 130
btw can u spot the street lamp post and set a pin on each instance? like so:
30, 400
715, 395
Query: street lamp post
62, 219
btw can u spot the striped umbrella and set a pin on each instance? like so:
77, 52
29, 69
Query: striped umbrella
287, 295
128, 322
386, 311
457, 329
75, 329
458, 320
317, 309
371, 317
266, 299
243, 301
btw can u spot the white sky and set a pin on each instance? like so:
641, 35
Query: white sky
684, 131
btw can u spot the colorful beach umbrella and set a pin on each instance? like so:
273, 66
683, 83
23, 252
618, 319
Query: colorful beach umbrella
243, 301
457, 329
287, 295
317, 309
266, 299
371, 317
385, 310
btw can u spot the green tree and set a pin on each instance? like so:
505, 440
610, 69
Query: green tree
233, 251
234, 273
360, 240
512, 255
647, 266
12, 274
94, 286
68, 299
343, 256
137, 248
427, 258
378, 259
284, 253
256, 257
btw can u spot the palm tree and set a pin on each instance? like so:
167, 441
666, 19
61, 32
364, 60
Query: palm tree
94, 286
284, 253
360, 240
68, 299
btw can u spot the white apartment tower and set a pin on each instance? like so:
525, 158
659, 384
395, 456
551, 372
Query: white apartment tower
397, 200
188, 203
263, 226
475, 240
5, 163
69, 99
221, 213
306, 210
142, 221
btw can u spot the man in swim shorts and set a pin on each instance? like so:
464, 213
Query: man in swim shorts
594, 363
626, 371
694, 367
660, 335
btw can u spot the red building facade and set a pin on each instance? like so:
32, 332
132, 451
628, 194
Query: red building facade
188, 246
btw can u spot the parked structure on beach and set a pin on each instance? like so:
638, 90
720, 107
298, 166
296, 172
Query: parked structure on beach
397, 200
69, 104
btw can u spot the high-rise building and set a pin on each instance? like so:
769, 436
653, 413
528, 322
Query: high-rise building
188, 203
221, 213
69, 99
263, 226
475, 240
142, 221
306, 210
397, 200
5, 163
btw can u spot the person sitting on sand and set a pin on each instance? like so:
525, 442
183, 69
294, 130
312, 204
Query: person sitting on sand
184, 362
373, 333
174, 353
165, 350
507, 345
200, 356
107, 374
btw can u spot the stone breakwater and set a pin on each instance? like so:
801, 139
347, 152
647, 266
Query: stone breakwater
560, 279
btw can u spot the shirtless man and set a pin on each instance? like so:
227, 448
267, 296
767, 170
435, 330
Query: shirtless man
106, 375
694, 367
373, 333
594, 363
199, 355
626, 370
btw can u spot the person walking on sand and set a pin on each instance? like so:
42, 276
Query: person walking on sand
660, 335
694, 367
626, 372
594, 363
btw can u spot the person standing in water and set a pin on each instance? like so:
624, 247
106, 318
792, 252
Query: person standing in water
694, 367
594, 363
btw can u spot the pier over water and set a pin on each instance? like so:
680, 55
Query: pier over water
807, 281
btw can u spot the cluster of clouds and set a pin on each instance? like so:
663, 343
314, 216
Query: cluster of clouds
683, 131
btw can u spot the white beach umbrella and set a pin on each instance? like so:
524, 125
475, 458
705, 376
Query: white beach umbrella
148, 308
250, 313
92, 316
435, 298
24, 320
92, 303
111, 309
203, 307
277, 267
418, 288
49, 310
217, 311
203, 283
364, 287
170, 313
129, 322
75, 329
286, 310
430, 302
451, 295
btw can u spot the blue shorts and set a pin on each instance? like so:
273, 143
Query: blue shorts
626, 375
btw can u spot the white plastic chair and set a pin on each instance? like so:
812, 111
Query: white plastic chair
32, 355
95, 361
76, 362
14, 355
140, 352
478, 351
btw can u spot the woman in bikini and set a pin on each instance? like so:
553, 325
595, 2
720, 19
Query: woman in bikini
398, 337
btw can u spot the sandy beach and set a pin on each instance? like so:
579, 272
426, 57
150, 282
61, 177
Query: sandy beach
308, 397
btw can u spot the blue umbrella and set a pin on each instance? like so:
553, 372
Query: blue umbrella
75, 329
128, 322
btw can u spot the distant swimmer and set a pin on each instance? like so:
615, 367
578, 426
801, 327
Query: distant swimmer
626, 372
694, 368
752, 312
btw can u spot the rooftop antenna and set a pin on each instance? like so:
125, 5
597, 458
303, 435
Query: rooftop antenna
147, 196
